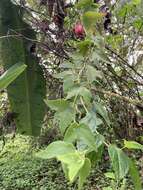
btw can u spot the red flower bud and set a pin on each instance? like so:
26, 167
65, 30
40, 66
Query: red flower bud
79, 30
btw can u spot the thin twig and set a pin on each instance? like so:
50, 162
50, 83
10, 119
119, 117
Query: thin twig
124, 98
123, 60
10, 36
81, 99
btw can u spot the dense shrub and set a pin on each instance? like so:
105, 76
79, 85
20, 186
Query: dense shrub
21, 170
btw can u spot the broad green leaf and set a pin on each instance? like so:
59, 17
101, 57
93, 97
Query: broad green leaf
84, 172
99, 55
99, 140
84, 133
110, 175
64, 118
86, 94
80, 132
134, 173
74, 161
90, 18
120, 161
80, 91
68, 83
93, 74
64, 115
99, 108
96, 156
65, 169
56, 149
82, 146
11, 74
84, 46
77, 59
71, 133
74, 92
58, 104
84, 4
25, 93
91, 120
133, 145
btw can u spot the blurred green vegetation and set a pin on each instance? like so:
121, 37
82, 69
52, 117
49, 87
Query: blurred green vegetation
21, 170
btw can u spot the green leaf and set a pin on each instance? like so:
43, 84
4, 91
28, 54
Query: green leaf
132, 145
74, 162
74, 92
58, 105
99, 140
71, 133
84, 172
90, 18
110, 175
136, 2
99, 55
84, 133
86, 94
91, 120
120, 161
65, 169
11, 74
134, 173
99, 108
25, 93
93, 74
64, 115
84, 46
80, 91
64, 118
80, 132
56, 149
96, 156
84, 4
68, 83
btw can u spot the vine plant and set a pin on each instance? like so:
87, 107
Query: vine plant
81, 114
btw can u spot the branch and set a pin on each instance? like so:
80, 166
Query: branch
124, 98
9, 36
123, 60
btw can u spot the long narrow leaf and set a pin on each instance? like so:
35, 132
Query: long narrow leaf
27, 92
134, 173
11, 74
